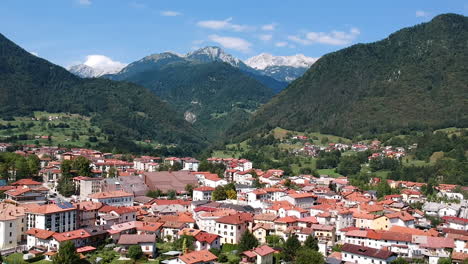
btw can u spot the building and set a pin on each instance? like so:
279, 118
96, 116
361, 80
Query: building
366, 255
169, 180
114, 198
231, 227
87, 213
197, 257
12, 225
259, 255
60, 217
146, 242
89, 186
202, 193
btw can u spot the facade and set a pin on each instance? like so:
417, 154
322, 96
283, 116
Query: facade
12, 225
61, 217
366, 255
114, 198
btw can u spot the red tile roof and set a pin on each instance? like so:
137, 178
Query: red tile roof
198, 257
263, 250
206, 237
111, 194
367, 251
71, 235
236, 219
26, 182
40, 233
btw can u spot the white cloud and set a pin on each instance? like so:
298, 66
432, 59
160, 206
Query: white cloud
34, 53
170, 13
331, 38
231, 43
265, 37
102, 62
84, 2
269, 27
222, 24
281, 44
421, 13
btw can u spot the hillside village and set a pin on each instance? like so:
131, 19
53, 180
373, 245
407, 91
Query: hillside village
222, 210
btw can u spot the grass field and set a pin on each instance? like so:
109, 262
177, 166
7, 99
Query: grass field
329, 172
61, 126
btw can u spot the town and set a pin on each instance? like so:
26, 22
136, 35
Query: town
113, 208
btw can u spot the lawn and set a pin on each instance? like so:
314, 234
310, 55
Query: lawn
17, 258
52, 124
329, 172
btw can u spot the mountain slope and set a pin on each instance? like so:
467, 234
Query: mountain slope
415, 78
211, 95
121, 110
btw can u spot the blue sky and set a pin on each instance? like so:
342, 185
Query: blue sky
67, 31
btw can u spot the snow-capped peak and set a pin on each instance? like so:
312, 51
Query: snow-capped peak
95, 66
212, 53
264, 60
85, 71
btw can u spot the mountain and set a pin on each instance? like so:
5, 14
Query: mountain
85, 71
213, 54
125, 112
281, 68
207, 91
415, 78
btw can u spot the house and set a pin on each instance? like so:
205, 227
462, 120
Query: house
366, 255
206, 241
24, 194
190, 164
30, 183
146, 242
202, 193
87, 213
259, 255
39, 239
197, 257
89, 186
303, 200
456, 222
12, 225
401, 219
111, 215
231, 227
114, 198
80, 238
60, 217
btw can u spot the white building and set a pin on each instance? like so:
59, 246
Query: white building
12, 225
202, 193
61, 217
114, 198
366, 255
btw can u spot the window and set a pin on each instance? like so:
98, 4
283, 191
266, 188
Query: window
11, 224
11, 234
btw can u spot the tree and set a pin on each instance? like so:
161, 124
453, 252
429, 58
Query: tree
291, 246
307, 256
154, 194
219, 194
231, 194
82, 165
135, 252
247, 241
189, 189
444, 261
383, 189
311, 243
184, 242
66, 167
171, 194
399, 260
112, 173
348, 165
33, 164
274, 240
67, 254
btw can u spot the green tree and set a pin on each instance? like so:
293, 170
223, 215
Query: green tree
171, 194
154, 193
274, 240
34, 164
383, 189
399, 260
247, 241
219, 194
112, 173
348, 165
82, 166
444, 261
189, 189
67, 254
135, 252
291, 246
308, 256
189, 243
66, 167
231, 194
21, 168
311, 243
